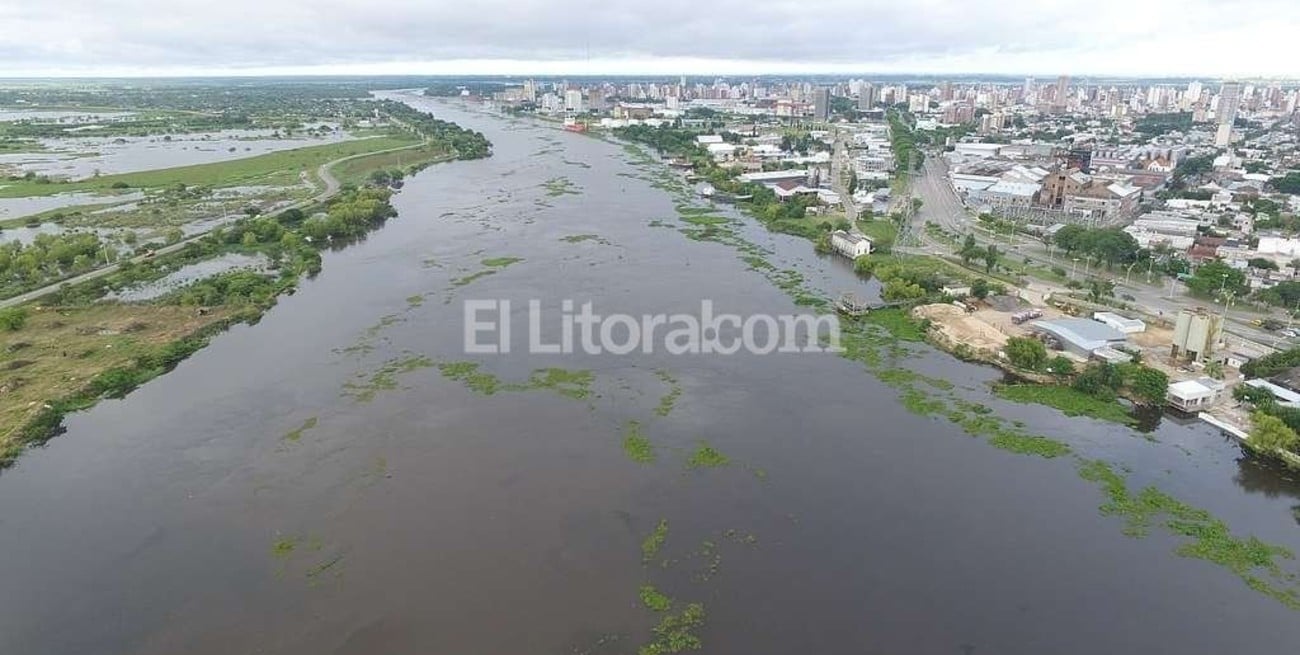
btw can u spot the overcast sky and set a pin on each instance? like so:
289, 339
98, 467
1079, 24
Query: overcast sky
1047, 37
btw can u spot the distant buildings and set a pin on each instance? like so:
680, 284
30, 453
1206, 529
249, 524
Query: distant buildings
1226, 114
822, 104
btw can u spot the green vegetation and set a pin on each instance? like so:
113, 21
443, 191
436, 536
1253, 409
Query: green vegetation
654, 541
1271, 364
1209, 539
654, 600
570, 384
560, 186
705, 456
1289, 183
274, 169
882, 233
384, 379
1026, 352
1270, 434
675, 633
1029, 444
296, 433
1069, 400
12, 319
1211, 278
1110, 245
669, 400
579, 238
492, 264
638, 448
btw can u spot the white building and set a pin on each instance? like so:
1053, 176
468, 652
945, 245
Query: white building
1125, 325
1195, 395
850, 245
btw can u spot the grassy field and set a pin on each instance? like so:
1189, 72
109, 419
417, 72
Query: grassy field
354, 171
275, 169
882, 232
59, 350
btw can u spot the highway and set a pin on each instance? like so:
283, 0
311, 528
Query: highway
331, 187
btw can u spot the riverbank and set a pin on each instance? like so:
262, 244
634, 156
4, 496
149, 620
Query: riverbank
67, 353
879, 341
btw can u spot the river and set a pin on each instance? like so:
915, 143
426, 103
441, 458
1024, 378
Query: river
190, 517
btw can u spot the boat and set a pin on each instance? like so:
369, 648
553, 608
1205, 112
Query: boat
571, 124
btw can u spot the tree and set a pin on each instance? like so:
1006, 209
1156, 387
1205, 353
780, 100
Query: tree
1099, 289
1060, 366
1214, 370
979, 289
990, 258
1149, 385
1070, 237
13, 318
1026, 352
970, 250
174, 235
1270, 434
1210, 277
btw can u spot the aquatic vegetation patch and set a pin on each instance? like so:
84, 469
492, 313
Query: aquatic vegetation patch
654, 541
567, 383
467, 373
638, 448
1028, 444
560, 186
1070, 401
706, 456
676, 632
296, 433
501, 262
575, 384
653, 599
384, 379
580, 238
414, 301
1253, 560
493, 264
669, 400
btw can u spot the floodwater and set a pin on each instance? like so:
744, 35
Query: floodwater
81, 157
190, 518
192, 273
12, 114
18, 207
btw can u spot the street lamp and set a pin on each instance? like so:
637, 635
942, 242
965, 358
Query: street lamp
1128, 271
1074, 267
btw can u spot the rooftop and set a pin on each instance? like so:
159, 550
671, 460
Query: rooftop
1084, 333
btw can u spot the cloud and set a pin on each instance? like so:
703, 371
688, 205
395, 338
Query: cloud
1115, 37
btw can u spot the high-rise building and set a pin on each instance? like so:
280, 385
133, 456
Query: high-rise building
1060, 100
1226, 113
822, 104
867, 97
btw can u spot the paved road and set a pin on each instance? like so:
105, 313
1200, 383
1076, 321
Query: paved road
840, 159
332, 186
942, 207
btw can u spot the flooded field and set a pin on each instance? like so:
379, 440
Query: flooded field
83, 157
342, 478
11, 208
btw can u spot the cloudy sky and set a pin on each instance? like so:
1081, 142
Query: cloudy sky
1047, 37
